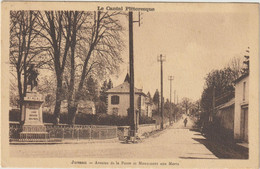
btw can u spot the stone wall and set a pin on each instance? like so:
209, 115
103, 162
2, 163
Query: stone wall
147, 128
226, 117
143, 128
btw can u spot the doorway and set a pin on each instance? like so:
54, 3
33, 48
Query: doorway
244, 124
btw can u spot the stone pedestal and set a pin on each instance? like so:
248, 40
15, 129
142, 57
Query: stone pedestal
33, 128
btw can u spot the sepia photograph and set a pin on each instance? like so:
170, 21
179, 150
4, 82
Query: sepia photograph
130, 85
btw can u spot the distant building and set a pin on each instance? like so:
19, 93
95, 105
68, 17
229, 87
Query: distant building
64, 106
118, 100
241, 108
84, 106
149, 105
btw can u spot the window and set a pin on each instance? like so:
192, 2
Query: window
114, 99
139, 101
244, 91
115, 111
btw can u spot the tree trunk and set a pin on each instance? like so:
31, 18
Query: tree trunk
92, 46
72, 114
20, 94
58, 98
72, 105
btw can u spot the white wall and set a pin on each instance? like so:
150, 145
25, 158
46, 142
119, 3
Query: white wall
146, 128
238, 103
149, 109
123, 104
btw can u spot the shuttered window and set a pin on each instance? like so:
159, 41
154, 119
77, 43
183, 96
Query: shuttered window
244, 91
114, 99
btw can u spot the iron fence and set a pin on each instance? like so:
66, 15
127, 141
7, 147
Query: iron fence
77, 132
14, 130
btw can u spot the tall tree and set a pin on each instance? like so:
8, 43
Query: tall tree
103, 92
99, 52
149, 97
47, 88
186, 104
110, 84
236, 66
156, 97
13, 94
101, 105
167, 108
56, 29
222, 83
24, 46
156, 100
92, 88
78, 18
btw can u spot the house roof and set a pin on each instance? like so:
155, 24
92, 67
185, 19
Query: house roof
124, 89
241, 77
227, 104
127, 78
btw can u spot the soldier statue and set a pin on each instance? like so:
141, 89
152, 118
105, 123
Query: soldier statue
32, 76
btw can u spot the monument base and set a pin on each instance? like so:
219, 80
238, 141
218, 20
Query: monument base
34, 133
33, 129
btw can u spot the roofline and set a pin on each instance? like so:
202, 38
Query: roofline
220, 107
241, 77
227, 104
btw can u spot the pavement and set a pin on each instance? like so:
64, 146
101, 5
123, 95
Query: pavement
174, 142
180, 124
67, 141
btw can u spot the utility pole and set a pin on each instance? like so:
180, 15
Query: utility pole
161, 59
131, 67
171, 79
132, 113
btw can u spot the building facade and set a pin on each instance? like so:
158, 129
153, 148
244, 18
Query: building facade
241, 108
118, 100
149, 107
84, 106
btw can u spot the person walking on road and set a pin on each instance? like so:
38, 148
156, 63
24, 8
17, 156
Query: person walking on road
185, 122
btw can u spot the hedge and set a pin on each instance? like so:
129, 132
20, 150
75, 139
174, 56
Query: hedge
86, 119
14, 115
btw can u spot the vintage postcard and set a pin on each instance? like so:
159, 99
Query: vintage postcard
129, 85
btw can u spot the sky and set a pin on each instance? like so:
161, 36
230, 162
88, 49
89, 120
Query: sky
193, 42
194, 38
